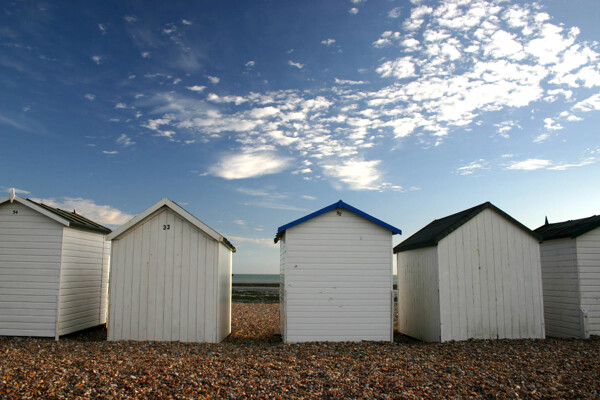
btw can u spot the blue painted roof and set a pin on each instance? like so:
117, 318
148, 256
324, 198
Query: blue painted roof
334, 206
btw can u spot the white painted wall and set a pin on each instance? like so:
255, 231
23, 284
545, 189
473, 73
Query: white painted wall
282, 302
418, 294
82, 299
164, 283
51, 276
338, 280
490, 281
561, 288
30, 248
224, 288
588, 258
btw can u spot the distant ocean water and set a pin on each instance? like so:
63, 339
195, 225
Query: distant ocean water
255, 278
263, 278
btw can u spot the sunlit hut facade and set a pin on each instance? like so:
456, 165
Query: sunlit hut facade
53, 270
336, 276
571, 277
473, 274
170, 278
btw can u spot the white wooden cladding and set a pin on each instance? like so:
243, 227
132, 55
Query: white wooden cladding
561, 288
418, 295
169, 282
53, 279
571, 276
489, 283
337, 280
83, 280
588, 260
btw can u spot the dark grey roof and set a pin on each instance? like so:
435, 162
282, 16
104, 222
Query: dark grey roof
568, 229
75, 220
438, 229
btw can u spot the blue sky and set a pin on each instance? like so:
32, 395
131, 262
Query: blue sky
251, 114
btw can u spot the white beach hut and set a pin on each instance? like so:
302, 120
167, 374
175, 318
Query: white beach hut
473, 274
336, 276
53, 270
170, 278
571, 277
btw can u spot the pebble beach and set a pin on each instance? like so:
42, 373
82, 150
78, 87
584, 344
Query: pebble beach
253, 363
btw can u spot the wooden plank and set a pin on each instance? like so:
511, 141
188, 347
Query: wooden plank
210, 316
153, 279
161, 276
177, 234
143, 271
498, 279
201, 287
129, 240
193, 289
136, 276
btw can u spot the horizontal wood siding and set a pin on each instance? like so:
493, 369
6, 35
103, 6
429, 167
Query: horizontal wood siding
588, 259
561, 288
163, 283
418, 294
82, 298
224, 292
494, 287
30, 248
338, 279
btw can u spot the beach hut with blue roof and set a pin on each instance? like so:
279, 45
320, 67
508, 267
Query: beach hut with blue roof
336, 276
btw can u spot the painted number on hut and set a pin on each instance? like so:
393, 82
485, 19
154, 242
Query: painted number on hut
15, 211
166, 227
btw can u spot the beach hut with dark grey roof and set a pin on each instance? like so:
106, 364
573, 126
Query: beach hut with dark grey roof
53, 270
473, 274
336, 276
170, 278
571, 277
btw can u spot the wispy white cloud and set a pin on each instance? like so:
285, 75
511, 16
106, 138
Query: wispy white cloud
130, 18
102, 29
110, 152
250, 64
353, 11
356, 174
239, 222
249, 165
592, 103
307, 197
186, 22
120, 105
125, 140
90, 96
97, 59
196, 88
145, 54
349, 82
453, 67
395, 12
472, 167
530, 164
328, 42
214, 79
295, 64
102, 214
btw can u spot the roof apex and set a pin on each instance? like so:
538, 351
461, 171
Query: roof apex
66, 218
435, 231
338, 205
165, 202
